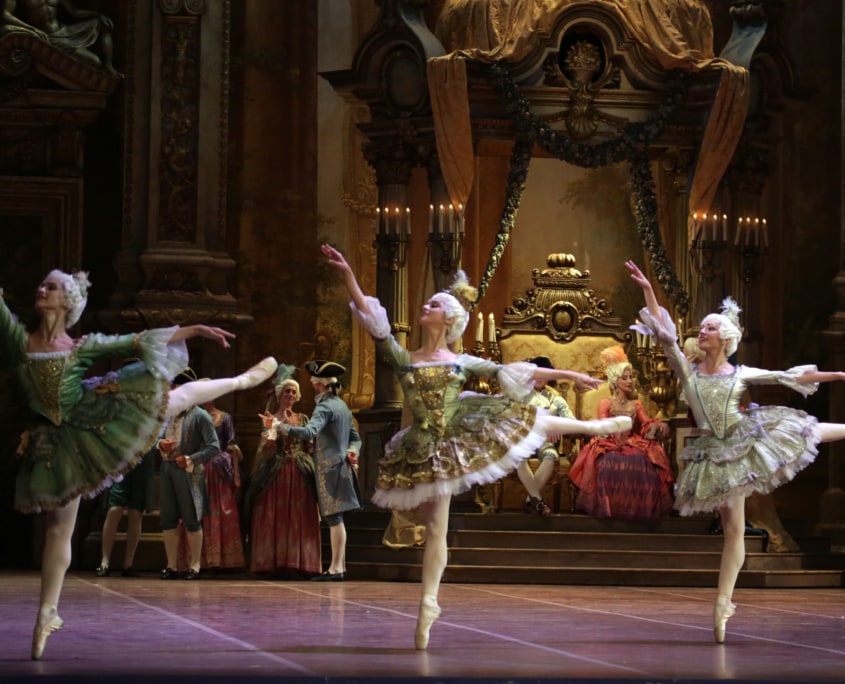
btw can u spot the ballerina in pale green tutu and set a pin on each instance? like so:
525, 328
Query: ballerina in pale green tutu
83, 434
736, 452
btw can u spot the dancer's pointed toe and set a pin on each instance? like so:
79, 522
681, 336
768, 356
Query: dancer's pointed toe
429, 612
723, 610
260, 372
40, 634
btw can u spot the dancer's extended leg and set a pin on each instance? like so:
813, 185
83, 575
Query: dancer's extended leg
202, 391
733, 556
436, 516
337, 537
54, 564
555, 425
831, 432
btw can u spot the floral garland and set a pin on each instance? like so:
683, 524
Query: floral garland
631, 145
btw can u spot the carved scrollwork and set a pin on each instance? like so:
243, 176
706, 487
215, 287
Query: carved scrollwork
560, 304
15, 55
195, 7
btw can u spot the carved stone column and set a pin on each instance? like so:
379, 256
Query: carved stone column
173, 266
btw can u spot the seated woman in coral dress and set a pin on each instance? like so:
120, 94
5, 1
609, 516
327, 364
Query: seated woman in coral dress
626, 475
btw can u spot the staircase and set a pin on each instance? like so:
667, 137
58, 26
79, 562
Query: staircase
513, 548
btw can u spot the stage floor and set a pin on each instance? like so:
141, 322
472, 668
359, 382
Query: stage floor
145, 629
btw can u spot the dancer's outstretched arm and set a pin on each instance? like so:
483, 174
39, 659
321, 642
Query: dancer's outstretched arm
211, 332
337, 260
582, 381
809, 377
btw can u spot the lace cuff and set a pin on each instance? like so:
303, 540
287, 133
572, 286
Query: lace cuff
375, 323
163, 359
517, 379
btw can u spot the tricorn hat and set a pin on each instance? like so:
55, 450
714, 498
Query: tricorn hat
542, 362
324, 369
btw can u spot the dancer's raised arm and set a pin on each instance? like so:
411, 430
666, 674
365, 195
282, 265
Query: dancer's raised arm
337, 260
211, 332
648, 291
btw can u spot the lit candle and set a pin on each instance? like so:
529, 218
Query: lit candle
440, 220
378, 219
396, 220
639, 336
757, 232
765, 234
408, 222
738, 231
714, 227
461, 219
491, 333
452, 230
430, 219
725, 227
479, 329
747, 230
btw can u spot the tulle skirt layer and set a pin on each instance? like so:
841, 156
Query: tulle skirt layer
486, 438
767, 448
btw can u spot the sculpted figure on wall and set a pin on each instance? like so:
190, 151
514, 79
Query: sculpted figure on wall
64, 26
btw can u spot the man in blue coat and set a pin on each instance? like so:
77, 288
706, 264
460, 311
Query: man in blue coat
336, 447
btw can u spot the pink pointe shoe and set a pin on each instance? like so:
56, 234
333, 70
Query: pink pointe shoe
260, 372
429, 612
40, 634
722, 611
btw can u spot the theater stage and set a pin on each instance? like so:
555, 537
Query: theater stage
240, 629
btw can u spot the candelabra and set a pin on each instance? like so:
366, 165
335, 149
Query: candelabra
446, 236
710, 237
392, 238
751, 243
660, 378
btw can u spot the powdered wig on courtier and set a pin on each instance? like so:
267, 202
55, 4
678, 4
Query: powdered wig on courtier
76, 293
456, 303
729, 328
290, 382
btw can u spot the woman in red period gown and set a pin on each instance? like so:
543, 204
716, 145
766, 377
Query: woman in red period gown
626, 475
281, 503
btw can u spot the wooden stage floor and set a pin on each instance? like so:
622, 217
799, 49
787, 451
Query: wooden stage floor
243, 629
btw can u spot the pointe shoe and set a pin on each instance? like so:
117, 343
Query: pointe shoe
722, 611
429, 612
608, 426
260, 372
39, 636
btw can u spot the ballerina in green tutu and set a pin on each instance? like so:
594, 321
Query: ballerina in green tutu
83, 434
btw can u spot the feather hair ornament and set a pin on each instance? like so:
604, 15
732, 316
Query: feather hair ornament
461, 290
614, 354
283, 372
730, 310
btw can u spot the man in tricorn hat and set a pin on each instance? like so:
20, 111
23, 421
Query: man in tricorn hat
337, 444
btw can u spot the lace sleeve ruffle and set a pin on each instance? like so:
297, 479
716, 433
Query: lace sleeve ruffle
787, 378
376, 322
662, 326
164, 360
517, 379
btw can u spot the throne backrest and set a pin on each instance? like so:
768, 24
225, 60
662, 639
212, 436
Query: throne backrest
561, 318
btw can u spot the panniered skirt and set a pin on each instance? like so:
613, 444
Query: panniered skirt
483, 441
285, 525
628, 486
767, 448
115, 423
